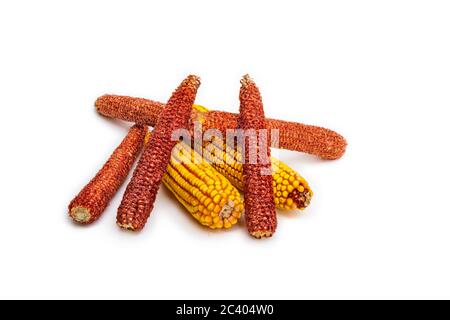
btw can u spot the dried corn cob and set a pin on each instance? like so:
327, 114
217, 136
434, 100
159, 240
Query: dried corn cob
314, 140
318, 141
140, 194
260, 213
89, 204
204, 192
290, 189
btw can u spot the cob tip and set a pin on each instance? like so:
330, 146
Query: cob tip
246, 80
100, 100
192, 81
302, 199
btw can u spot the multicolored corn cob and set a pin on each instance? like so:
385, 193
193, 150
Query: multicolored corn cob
92, 200
260, 214
205, 193
140, 195
314, 140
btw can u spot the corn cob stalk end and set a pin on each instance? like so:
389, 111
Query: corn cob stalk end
262, 234
80, 214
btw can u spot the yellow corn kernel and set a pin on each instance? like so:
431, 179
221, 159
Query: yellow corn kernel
216, 199
208, 220
210, 207
232, 220
227, 224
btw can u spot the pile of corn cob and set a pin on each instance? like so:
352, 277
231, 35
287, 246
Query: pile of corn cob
208, 186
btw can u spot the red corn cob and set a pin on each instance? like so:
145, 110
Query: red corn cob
89, 204
314, 140
260, 213
140, 194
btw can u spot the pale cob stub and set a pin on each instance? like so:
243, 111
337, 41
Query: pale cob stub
205, 193
291, 190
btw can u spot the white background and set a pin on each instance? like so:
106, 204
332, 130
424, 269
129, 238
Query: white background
376, 71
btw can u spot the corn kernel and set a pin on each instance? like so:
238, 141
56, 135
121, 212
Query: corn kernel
208, 219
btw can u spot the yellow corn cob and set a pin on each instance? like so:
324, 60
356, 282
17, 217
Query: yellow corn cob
291, 191
205, 193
